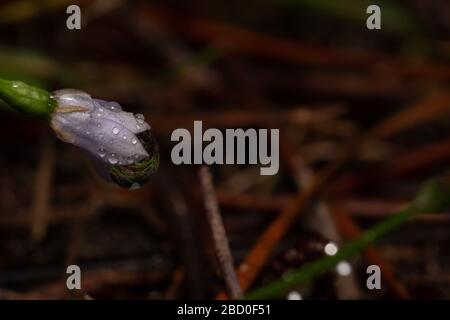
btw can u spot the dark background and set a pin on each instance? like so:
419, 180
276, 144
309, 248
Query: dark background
310, 68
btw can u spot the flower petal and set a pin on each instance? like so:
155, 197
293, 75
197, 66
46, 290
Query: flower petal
110, 110
98, 126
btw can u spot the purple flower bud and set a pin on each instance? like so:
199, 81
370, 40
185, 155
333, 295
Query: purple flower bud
120, 140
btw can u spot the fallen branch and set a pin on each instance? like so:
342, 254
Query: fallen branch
219, 235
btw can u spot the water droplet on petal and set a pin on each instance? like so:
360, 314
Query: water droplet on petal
99, 125
140, 118
112, 159
124, 137
101, 152
116, 130
113, 106
134, 141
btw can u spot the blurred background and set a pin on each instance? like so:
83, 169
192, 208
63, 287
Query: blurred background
371, 105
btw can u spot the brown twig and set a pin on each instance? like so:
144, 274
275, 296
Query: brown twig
410, 161
131, 273
381, 209
300, 116
177, 278
371, 208
244, 201
183, 226
219, 235
42, 190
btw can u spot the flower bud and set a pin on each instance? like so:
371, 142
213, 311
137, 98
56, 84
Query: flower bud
121, 142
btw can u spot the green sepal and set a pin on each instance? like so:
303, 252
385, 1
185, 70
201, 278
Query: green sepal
26, 99
136, 174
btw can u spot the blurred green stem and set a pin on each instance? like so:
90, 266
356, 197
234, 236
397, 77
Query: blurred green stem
26, 99
433, 196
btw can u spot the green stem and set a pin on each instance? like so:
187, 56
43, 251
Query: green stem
435, 195
26, 99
